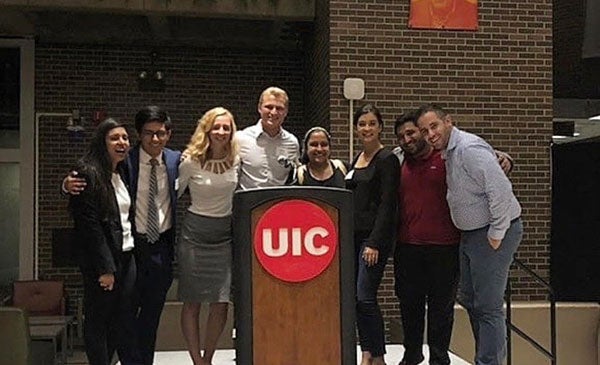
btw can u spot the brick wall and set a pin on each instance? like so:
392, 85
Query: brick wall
496, 82
317, 69
91, 78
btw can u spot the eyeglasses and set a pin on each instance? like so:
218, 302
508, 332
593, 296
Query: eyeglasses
160, 134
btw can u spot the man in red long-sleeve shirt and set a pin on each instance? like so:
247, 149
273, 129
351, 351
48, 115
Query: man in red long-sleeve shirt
426, 257
426, 265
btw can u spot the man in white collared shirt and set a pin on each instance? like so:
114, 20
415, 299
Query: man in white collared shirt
267, 151
154, 257
162, 197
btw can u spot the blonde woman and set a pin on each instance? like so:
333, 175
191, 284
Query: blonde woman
209, 171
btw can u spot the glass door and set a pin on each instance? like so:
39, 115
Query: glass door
17, 212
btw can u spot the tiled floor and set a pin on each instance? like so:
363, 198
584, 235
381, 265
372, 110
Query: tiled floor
226, 357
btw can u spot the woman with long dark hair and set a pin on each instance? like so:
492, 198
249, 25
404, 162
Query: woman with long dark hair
317, 168
373, 178
103, 230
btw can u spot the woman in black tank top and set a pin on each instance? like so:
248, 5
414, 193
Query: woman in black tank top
317, 168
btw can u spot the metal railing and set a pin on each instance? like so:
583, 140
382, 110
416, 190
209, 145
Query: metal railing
510, 327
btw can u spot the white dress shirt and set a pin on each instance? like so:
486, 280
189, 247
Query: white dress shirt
124, 203
265, 161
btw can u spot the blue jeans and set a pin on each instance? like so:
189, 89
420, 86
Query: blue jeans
483, 277
369, 319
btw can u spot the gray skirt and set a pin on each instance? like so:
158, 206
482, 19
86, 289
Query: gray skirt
204, 258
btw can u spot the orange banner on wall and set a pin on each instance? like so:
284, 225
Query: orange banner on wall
443, 14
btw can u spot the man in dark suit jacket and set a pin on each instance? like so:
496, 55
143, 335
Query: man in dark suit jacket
155, 270
154, 256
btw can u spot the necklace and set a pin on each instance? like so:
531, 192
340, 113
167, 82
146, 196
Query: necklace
364, 159
369, 156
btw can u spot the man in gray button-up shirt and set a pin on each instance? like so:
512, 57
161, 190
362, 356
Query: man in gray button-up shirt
484, 208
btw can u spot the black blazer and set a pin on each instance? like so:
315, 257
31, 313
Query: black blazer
375, 190
98, 237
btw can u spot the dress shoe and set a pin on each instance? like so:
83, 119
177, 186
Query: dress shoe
415, 362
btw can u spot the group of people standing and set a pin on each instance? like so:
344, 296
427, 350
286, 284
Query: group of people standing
124, 203
458, 226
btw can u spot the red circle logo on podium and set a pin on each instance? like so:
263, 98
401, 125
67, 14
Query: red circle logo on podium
295, 240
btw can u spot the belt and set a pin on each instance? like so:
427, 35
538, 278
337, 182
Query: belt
161, 237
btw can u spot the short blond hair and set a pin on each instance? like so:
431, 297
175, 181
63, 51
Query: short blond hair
199, 146
276, 92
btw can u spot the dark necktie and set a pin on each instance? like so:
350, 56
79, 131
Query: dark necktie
152, 230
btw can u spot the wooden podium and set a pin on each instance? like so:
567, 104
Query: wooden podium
294, 286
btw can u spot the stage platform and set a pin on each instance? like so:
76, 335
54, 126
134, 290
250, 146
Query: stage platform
227, 357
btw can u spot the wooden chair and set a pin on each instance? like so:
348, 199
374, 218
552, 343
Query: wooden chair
40, 297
